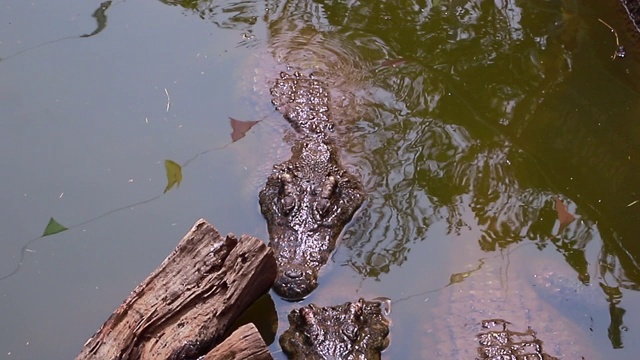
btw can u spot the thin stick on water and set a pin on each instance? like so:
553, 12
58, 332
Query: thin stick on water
168, 99
620, 52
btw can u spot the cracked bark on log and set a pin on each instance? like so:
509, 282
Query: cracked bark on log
244, 344
184, 308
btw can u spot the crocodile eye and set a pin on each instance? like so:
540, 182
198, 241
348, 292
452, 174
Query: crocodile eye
288, 204
327, 189
322, 207
307, 314
285, 180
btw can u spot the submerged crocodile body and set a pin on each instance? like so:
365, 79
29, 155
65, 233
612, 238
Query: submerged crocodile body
493, 315
481, 314
309, 199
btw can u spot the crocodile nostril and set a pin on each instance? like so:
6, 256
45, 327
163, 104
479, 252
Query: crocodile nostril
293, 273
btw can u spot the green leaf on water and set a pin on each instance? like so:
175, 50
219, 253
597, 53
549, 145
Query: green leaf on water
53, 227
174, 174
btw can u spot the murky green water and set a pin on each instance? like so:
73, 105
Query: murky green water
469, 122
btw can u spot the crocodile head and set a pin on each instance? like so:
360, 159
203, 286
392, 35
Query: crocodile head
307, 201
355, 330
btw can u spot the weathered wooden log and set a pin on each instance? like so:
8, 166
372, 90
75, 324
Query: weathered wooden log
244, 344
184, 308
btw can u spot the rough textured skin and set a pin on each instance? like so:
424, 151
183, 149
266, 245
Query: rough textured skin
304, 102
498, 342
352, 331
309, 199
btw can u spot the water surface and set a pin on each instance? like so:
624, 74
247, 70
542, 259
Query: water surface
467, 121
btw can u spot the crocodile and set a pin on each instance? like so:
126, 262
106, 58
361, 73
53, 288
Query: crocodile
356, 331
309, 199
482, 314
493, 313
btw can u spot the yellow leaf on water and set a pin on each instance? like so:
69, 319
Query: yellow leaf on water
174, 174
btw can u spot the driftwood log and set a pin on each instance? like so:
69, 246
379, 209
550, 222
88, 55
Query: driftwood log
244, 344
184, 308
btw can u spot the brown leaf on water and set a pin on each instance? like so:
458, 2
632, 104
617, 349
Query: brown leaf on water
564, 216
240, 128
459, 277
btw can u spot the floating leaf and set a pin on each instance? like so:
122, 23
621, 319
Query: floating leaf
53, 227
459, 277
174, 174
240, 128
564, 216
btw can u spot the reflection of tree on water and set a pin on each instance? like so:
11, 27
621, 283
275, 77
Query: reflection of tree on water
518, 55
440, 169
237, 15
452, 136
